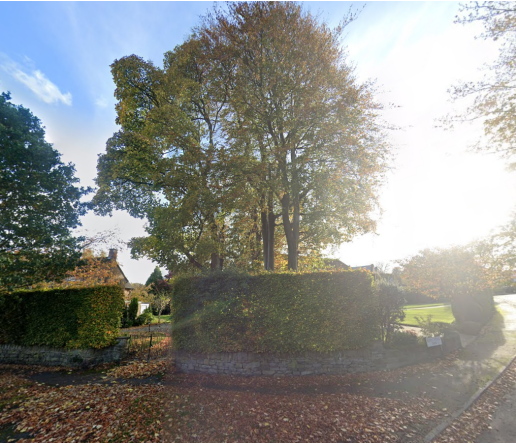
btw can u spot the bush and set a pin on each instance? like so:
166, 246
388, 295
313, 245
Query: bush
391, 300
229, 312
126, 322
72, 318
403, 339
145, 317
132, 311
429, 328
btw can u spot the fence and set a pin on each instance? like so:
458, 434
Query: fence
149, 345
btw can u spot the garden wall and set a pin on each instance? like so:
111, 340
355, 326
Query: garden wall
374, 358
61, 357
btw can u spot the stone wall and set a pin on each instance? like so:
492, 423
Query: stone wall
60, 357
374, 358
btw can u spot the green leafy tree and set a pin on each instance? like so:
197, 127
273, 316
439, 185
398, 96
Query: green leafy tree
446, 273
39, 203
498, 253
458, 274
154, 277
493, 97
255, 121
166, 162
160, 301
307, 129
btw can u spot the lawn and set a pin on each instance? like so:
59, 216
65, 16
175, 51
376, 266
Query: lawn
439, 313
164, 319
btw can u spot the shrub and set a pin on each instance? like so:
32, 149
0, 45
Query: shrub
145, 317
403, 339
72, 318
391, 300
429, 328
289, 312
126, 322
132, 311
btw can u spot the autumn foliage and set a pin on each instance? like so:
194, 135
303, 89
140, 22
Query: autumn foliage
73, 318
458, 274
282, 313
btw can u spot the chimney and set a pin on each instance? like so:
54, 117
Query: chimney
112, 254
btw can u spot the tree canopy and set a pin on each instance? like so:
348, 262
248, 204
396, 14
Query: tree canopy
39, 203
255, 122
154, 277
447, 273
493, 97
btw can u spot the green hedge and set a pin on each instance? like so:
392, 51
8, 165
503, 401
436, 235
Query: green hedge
281, 313
71, 318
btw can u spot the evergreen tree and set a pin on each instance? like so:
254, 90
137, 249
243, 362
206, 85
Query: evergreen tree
155, 276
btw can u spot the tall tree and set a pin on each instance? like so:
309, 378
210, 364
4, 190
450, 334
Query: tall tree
164, 163
39, 203
256, 121
311, 129
154, 277
447, 273
494, 101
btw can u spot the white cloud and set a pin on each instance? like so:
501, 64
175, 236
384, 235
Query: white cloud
101, 102
37, 82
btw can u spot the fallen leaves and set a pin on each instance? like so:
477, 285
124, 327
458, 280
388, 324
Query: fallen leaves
139, 369
228, 408
214, 408
474, 421
80, 413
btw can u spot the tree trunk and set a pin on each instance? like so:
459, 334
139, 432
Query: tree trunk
215, 261
265, 237
271, 233
291, 231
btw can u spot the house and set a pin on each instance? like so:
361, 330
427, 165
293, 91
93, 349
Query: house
370, 268
335, 263
124, 282
97, 271
119, 274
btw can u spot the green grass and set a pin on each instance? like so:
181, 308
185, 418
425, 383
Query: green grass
435, 304
439, 314
164, 318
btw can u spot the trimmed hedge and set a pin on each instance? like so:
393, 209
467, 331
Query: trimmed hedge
280, 313
71, 318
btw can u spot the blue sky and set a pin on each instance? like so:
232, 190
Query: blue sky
55, 57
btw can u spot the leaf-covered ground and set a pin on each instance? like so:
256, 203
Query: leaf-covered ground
220, 409
134, 402
477, 419
124, 404
92, 412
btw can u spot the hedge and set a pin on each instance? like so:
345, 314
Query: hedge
279, 313
71, 318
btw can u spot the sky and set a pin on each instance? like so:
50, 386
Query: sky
55, 60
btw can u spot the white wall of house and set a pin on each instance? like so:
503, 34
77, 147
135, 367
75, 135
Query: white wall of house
143, 307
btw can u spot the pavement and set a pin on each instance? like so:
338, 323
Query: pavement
502, 425
482, 360
455, 383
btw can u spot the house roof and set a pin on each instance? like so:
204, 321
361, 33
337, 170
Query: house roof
370, 268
